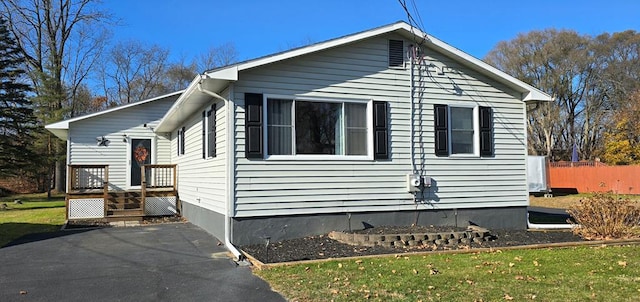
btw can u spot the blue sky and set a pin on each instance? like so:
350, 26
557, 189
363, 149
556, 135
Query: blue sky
257, 28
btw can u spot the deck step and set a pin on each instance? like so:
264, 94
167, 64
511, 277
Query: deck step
124, 206
125, 212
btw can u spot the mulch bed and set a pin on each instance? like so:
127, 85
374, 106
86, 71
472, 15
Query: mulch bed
323, 247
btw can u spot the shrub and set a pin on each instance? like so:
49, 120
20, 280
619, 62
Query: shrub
604, 216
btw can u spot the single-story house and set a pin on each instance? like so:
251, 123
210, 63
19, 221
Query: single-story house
388, 126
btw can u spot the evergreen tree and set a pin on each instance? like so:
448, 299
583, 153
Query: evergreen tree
17, 120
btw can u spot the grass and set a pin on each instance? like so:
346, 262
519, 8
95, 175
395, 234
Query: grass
570, 274
565, 201
34, 215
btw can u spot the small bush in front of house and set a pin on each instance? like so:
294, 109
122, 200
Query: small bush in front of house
605, 216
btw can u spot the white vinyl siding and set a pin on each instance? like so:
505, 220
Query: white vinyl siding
203, 182
360, 71
113, 126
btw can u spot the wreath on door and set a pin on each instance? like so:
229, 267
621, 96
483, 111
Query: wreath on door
140, 154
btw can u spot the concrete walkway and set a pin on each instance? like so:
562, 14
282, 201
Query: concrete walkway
165, 262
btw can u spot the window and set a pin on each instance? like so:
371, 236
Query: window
311, 127
209, 132
180, 142
463, 130
316, 127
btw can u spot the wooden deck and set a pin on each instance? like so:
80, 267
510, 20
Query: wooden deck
89, 196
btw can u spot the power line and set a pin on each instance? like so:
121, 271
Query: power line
413, 22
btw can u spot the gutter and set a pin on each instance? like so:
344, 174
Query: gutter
227, 216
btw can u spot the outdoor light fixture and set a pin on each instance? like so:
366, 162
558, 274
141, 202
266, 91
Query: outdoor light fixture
124, 137
102, 141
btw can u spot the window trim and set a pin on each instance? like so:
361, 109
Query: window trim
476, 130
181, 137
294, 98
209, 115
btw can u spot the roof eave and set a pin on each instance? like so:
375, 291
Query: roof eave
190, 101
61, 133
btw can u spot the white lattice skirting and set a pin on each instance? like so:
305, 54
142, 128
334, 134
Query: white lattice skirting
86, 208
160, 206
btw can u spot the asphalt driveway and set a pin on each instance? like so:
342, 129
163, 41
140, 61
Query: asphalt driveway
165, 262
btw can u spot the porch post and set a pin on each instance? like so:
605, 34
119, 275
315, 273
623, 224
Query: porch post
105, 189
70, 176
175, 179
143, 187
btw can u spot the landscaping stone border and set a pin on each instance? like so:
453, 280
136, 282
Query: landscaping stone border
476, 235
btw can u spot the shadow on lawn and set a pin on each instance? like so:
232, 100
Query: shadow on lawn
32, 232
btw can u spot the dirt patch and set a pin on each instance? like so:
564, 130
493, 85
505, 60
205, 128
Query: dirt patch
323, 247
103, 223
163, 219
86, 223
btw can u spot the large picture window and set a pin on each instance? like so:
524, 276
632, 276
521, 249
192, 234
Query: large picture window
310, 127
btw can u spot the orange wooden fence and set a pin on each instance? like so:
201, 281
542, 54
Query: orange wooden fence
617, 179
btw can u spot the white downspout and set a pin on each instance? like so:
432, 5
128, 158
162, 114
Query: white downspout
227, 216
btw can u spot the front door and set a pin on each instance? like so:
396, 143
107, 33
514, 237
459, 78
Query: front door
140, 155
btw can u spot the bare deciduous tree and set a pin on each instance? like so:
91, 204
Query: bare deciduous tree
217, 56
563, 64
60, 40
134, 72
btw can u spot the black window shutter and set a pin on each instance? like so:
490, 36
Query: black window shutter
441, 114
204, 133
211, 117
182, 140
486, 131
380, 130
253, 125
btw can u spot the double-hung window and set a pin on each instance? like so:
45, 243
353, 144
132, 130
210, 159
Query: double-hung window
209, 132
317, 127
463, 130
180, 143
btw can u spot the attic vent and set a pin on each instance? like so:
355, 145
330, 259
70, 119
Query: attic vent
396, 53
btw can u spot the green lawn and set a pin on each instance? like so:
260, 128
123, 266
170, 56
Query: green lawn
571, 274
34, 215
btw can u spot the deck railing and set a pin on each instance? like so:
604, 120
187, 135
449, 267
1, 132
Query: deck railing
89, 196
88, 177
159, 176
